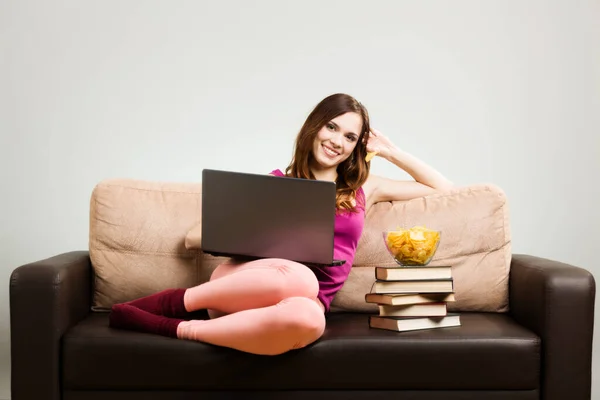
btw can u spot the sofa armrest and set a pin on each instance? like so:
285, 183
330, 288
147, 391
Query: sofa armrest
47, 297
556, 301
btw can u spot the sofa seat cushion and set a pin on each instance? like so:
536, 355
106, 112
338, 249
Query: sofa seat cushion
489, 351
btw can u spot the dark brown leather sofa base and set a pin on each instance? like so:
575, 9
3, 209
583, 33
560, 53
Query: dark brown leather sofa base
541, 349
488, 352
310, 395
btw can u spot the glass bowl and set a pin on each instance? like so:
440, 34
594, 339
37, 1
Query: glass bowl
415, 246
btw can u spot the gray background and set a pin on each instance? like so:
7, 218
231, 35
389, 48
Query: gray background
505, 92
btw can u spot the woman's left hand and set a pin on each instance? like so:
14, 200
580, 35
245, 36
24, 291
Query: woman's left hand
379, 143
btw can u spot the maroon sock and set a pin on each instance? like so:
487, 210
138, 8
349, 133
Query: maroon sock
125, 316
167, 302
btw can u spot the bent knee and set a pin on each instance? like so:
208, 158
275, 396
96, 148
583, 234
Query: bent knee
300, 282
303, 316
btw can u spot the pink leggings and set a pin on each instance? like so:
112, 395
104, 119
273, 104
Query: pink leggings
266, 306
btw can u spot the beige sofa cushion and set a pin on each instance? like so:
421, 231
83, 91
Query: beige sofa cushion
136, 244
475, 241
143, 240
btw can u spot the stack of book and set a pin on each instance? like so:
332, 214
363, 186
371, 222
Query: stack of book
412, 298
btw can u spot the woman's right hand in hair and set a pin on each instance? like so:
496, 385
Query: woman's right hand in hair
379, 144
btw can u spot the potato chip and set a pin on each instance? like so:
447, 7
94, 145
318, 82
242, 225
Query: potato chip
414, 246
370, 155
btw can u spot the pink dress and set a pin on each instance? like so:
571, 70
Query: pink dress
348, 229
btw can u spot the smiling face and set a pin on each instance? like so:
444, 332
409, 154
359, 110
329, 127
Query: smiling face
331, 146
336, 140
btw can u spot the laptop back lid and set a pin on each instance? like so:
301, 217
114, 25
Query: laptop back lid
265, 216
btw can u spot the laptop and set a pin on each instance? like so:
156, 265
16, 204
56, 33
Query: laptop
250, 216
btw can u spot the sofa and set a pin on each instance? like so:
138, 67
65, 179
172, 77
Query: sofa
526, 321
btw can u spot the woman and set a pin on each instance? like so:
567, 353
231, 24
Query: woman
271, 306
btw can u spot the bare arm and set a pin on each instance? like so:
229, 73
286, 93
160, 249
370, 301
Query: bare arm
427, 180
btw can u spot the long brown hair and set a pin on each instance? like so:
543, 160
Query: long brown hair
352, 172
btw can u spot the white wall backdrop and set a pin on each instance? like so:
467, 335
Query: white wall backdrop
506, 92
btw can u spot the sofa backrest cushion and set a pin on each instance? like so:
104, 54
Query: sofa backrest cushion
136, 243
475, 241
142, 240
